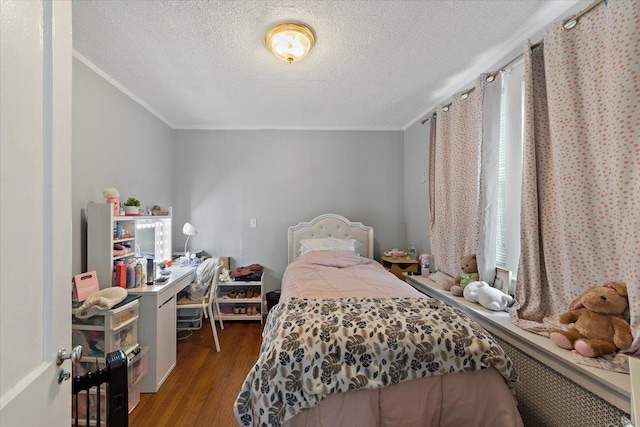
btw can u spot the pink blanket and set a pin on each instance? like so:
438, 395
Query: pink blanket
338, 274
313, 372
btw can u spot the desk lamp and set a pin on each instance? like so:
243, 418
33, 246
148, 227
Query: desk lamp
188, 230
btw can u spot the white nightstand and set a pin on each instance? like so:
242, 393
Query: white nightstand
227, 303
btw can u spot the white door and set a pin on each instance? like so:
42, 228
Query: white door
35, 211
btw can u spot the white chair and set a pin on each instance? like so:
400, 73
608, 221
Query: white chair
205, 305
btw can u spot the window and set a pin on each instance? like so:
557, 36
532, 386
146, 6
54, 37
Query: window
501, 237
510, 168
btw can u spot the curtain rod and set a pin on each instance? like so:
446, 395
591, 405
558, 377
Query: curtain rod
423, 121
572, 22
567, 24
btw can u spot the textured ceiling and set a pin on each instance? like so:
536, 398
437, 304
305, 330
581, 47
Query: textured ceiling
375, 65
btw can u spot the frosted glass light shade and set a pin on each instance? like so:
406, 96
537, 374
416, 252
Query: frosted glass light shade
290, 41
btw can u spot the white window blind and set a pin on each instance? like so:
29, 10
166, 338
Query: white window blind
510, 169
501, 245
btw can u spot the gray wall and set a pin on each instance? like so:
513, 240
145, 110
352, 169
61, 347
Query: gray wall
116, 143
219, 180
225, 178
416, 185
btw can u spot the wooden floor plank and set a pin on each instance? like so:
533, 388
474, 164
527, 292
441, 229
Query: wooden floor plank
203, 386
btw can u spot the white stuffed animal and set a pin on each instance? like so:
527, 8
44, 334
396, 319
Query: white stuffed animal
488, 297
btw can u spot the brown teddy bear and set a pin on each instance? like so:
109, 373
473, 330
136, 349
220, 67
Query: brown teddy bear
469, 273
600, 327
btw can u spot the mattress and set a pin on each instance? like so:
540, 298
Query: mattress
351, 345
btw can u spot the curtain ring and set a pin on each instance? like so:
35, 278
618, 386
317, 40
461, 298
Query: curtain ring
569, 24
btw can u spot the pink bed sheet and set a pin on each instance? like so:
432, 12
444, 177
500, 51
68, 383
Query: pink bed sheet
341, 274
473, 398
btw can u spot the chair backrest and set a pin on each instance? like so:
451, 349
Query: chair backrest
204, 276
213, 286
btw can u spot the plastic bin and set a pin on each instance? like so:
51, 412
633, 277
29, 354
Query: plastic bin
189, 319
138, 365
95, 341
109, 330
273, 298
110, 319
134, 396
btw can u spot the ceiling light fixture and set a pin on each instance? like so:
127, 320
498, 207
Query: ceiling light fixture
290, 41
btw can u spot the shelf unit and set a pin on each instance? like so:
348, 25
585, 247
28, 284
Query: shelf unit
227, 304
107, 331
152, 234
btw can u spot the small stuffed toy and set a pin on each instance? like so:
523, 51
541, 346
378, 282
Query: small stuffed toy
469, 273
486, 296
112, 196
600, 328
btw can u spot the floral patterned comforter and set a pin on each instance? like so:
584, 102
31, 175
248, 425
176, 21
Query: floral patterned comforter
314, 347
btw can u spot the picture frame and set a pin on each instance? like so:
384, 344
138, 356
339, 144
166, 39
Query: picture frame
503, 280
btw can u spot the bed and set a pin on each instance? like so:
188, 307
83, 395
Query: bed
349, 344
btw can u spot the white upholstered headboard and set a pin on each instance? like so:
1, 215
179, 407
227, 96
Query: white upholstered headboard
330, 225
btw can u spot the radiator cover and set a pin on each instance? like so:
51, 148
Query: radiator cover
546, 398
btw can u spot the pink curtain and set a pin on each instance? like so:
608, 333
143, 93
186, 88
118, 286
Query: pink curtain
580, 216
536, 298
456, 160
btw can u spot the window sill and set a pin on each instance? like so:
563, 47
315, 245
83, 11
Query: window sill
613, 387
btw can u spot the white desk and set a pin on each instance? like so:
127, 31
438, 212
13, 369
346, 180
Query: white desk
157, 325
176, 281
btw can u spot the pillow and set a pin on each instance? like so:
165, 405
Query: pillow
329, 244
337, 259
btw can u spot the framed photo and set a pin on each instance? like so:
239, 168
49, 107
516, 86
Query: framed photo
503, 280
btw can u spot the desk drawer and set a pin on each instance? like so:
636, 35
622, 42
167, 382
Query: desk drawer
184, 282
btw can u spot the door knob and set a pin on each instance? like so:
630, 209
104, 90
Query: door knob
75, 355
625, 422
63, 375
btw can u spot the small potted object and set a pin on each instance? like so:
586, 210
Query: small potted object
131, 206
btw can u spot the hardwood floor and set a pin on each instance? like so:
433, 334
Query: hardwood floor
201, 389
